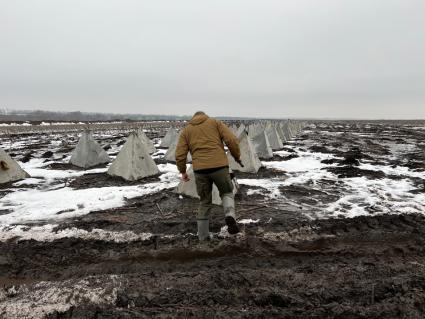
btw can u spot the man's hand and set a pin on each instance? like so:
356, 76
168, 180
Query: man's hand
185, 177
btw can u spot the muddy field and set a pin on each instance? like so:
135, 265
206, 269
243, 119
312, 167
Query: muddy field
332, 227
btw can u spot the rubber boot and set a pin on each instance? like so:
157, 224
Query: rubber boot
229, 213
203, 229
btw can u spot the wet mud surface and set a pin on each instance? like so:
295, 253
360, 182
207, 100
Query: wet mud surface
370, 267
284, 264
262, 173
91, 180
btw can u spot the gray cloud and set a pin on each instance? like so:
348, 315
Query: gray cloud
279, 58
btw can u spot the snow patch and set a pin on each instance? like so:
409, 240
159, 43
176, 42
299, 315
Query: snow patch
44, 298
250, 192
29, 181
248, 221
303, 169
36, 205
60, 202
46, 234
272, 185
365, 197
389, 170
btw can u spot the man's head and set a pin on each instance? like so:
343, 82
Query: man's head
198, 118
199, 113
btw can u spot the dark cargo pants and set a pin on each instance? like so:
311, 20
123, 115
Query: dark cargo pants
204, 186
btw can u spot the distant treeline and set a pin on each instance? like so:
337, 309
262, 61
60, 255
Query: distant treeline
38, 115
49, 116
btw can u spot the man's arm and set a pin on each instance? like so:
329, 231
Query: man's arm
230, 139
181, 152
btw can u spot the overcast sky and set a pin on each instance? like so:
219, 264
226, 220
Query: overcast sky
283, 58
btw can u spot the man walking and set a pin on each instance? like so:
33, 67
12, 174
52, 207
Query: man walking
203, 137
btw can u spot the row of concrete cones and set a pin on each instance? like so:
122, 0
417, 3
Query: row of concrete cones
257, 141
134, 161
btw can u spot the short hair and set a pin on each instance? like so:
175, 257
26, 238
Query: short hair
199, 113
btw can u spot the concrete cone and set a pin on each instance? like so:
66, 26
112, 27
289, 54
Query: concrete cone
286, 131
88, 152
189, 188
10, 171
254, 130
281, 133
262, 146
249, 156
149, 144
169, 138
133, 161
240, 130
233, 128
274, 138
292, 128
170, 155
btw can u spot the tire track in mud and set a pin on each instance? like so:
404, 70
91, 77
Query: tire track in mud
389, 235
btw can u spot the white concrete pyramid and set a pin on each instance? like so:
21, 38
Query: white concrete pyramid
233, 128
249, 156
274, 138
262, 145
88, 152
286, 131
254, 130
170, 155
240, 130
189, 188
281, 133
133, 161
149, 144
10, 171
169, 138
295, 128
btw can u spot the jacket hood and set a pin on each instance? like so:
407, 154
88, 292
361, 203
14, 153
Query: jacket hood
198, 119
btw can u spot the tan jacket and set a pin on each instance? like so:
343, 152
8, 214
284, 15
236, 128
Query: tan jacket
203, 137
